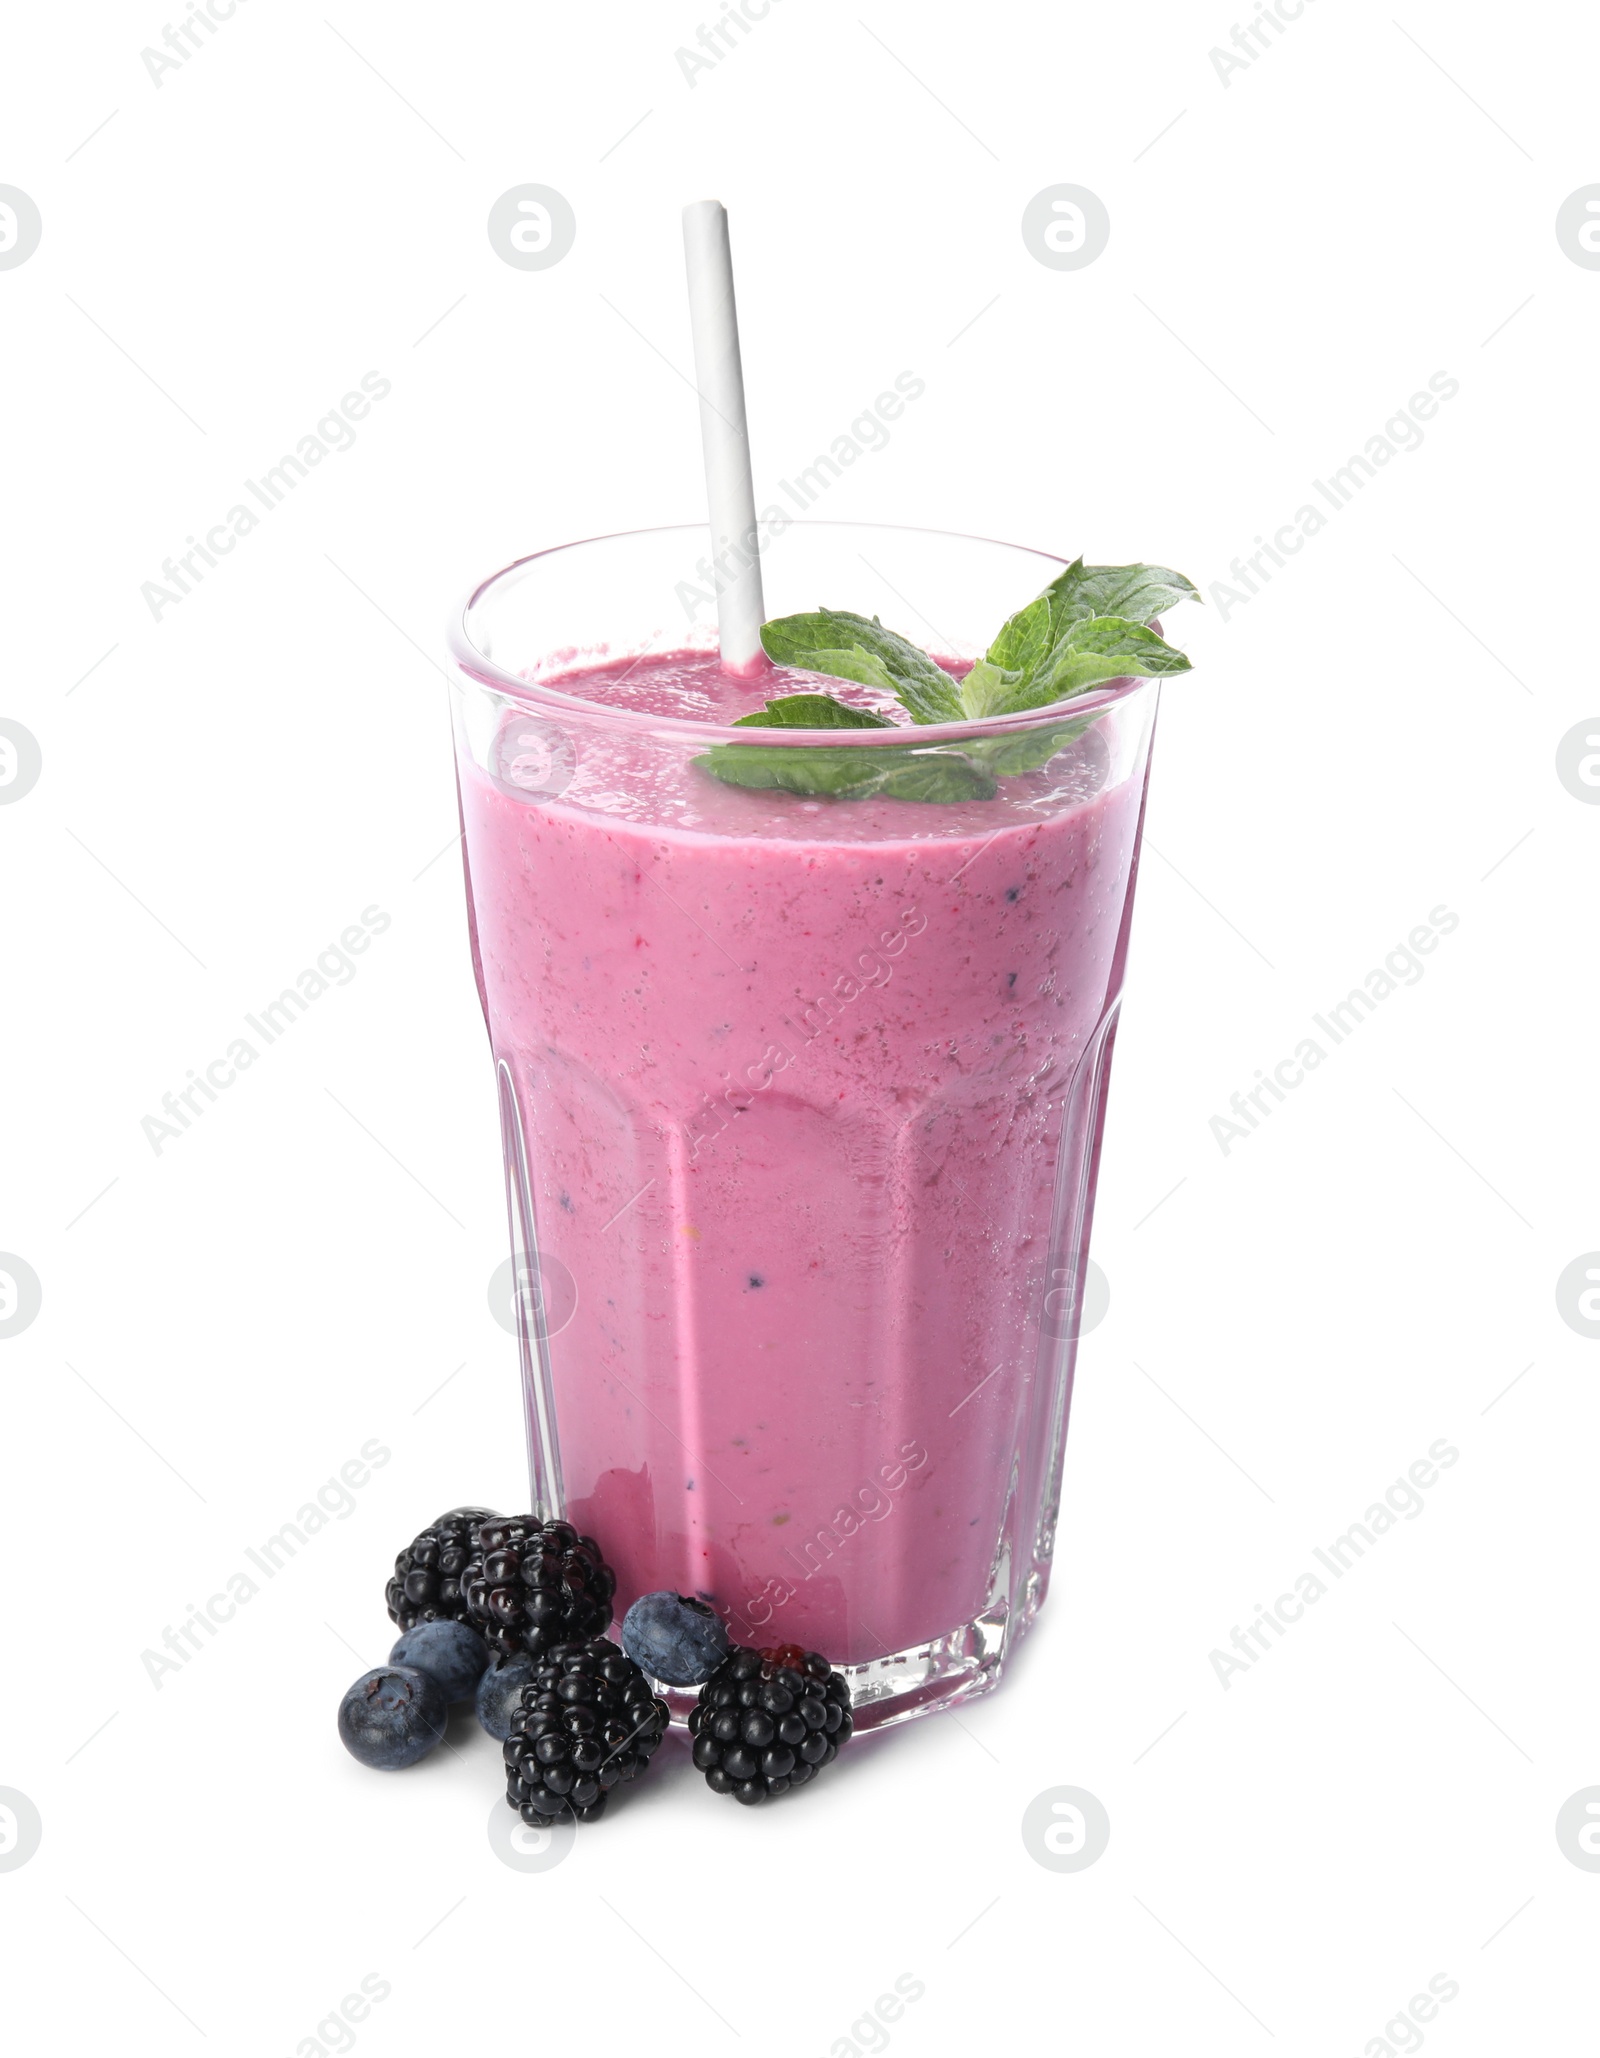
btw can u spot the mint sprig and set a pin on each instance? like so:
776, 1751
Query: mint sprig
1090, 624
1091, 651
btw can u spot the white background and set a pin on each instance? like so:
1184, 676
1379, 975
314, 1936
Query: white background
1291, 1324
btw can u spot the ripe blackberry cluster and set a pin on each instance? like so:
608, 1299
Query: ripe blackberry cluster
577, 1714
768, 1720
587, 1721
426, 1585
532, 1585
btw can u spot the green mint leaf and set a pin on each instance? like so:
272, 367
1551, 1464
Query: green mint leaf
1114, 648
1134, 593
1028, 664
938, 775
1005, 756
831, 774
987, 689
847, 646
899, 774
1092, 651
811, 711
1026, 637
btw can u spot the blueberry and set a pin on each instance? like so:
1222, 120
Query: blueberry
449, 1652
500, 1692
674, 1639
392, 1717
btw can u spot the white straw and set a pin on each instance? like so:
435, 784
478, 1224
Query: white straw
723, 434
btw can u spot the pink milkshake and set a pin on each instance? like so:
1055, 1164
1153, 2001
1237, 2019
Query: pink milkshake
802, 1100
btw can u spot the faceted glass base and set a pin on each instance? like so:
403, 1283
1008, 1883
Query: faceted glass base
959, 1666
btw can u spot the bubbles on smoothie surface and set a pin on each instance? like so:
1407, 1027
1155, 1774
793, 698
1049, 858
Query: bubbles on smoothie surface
694, 686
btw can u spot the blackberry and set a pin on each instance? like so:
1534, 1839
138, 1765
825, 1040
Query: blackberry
587, 1721
531, 1585
768, 1720
426, 1586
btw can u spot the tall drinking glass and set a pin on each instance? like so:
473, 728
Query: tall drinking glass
801, 1096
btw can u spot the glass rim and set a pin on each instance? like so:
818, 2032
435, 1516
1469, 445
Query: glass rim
543, 698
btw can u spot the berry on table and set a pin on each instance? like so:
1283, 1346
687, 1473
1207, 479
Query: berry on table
674, 1638
587, 1721
530, 1585
426, 1583
392, 1716
449, 1652
769, 1720
500, 1692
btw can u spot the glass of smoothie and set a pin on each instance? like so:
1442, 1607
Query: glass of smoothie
801, 1091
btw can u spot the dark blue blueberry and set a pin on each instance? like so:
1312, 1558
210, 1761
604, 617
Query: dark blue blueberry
500, 1692
674, 1639
392, 1717
449, 1652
